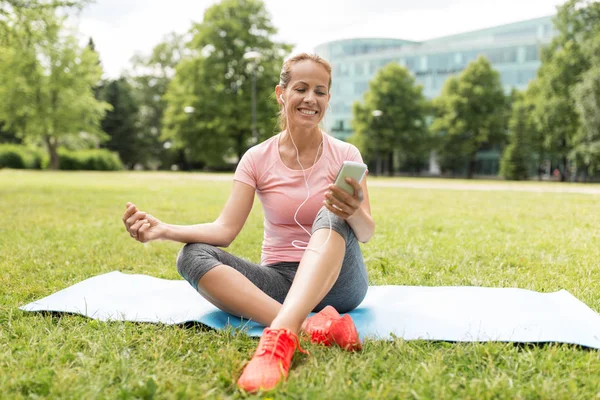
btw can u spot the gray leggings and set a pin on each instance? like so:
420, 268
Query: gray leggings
196, 259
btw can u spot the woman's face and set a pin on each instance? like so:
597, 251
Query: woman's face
307, 95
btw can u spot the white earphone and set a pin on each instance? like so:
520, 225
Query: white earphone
305, 244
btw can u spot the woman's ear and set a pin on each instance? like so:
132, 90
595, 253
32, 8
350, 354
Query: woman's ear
279, 94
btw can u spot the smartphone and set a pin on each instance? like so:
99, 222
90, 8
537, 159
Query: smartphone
350, 169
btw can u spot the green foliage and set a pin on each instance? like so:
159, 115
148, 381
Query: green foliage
150, 79
517, 158
121, 122
586, 142
19, 157
46, 80
18, 5
91, 160
401, 129
216, 82
470, 114
7, 136
564, 63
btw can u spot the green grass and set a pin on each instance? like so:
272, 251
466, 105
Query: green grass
57, 229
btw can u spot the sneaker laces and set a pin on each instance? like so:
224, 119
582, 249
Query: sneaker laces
272, 344
320, 334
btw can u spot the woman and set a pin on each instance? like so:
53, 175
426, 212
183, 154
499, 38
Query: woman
292, 174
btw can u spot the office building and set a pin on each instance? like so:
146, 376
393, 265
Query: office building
512, 49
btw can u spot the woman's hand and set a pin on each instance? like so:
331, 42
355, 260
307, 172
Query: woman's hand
341, 203
141, 226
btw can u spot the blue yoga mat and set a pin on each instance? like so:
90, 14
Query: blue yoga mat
456, 313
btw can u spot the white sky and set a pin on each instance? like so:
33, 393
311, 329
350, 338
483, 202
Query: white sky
121, 28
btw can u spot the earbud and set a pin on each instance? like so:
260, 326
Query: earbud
281, 97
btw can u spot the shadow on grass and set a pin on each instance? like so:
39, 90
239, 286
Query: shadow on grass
57, 317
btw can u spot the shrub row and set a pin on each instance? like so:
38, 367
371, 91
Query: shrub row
93, 160
22, 157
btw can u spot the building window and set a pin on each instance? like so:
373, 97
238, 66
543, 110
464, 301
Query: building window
344, 70
373, 67
531, 53
346, 89
524, 77
360, 87
458, 58
341, 108
423, 63
411, 63
521, 53
359, 70
338, 126
510, 78
337, 50
386, 61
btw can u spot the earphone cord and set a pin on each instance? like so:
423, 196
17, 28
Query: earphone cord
305, 244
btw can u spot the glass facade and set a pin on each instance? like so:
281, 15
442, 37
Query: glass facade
512, 49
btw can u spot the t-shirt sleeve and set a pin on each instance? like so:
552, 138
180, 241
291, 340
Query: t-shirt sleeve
246, 170
354, 154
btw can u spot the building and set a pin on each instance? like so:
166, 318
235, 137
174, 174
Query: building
512, 49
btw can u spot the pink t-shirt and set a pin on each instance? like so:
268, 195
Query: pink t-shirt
281, 190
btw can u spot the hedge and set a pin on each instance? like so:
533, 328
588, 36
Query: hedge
23, 157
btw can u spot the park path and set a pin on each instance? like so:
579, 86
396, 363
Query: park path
546, 187
439, 184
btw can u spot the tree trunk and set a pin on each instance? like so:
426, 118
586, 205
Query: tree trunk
51, 144
241, 146
391, 163
564, 176
185, 166
472, 165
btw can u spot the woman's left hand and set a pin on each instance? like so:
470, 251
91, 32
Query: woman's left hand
341, 203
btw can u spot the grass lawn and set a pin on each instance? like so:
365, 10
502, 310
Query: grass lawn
58, 228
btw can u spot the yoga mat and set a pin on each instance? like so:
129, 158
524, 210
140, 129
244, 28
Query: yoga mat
453, 313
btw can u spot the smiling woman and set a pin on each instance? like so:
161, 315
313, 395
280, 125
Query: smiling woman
292, 174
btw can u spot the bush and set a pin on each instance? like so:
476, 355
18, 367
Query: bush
23, 157
20, 157
94, 160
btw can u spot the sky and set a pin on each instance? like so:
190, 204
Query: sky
122, 28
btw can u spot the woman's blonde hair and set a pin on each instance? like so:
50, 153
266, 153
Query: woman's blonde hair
286, 76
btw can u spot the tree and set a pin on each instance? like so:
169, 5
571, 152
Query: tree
518, 156
7, 136
121, 122
401, 128
46, 81
586, 143
563, 64
215, 82
470, 113
150, 79
39, 4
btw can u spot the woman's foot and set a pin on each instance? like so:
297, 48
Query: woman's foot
271, 361
328, 327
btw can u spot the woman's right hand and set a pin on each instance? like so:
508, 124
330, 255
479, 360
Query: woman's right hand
141, 226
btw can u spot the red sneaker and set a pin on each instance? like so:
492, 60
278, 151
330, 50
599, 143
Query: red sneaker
271, 361
328, 327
